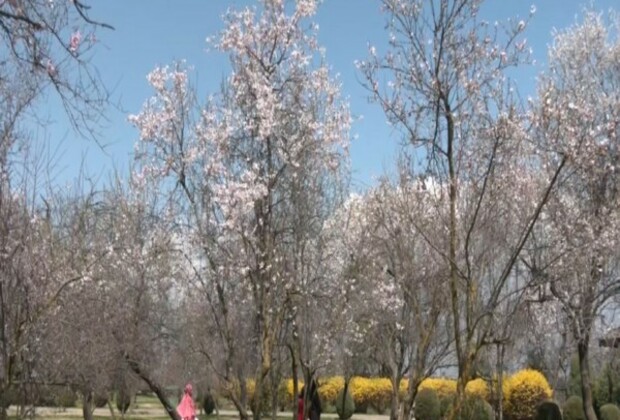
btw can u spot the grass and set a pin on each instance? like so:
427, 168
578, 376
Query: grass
146, 407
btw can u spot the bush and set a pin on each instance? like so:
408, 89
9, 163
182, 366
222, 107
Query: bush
208, 403
607, 387
442, 386
445, 404
329, 389
7, 398
523, 392
427, 405
573, 409
381, 393
477, 388
66, 398
345, 406
100, 399
123, 400
610, 412
548, 410
475, 408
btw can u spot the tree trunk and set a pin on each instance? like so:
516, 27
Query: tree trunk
500, 382
395, 398
295, 385
586, 387
87, 405
159, 392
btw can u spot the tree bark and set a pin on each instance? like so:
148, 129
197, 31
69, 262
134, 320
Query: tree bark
395, 399
586, 387
500, 381
159, 392
87, 405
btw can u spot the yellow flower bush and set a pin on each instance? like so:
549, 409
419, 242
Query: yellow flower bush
381, 393
329, 388
361, 390
442, 386
477, 388
523, 391
287, 391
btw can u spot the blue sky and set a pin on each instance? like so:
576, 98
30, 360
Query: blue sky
158, 32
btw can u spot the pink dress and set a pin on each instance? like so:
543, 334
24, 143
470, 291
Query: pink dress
186, 408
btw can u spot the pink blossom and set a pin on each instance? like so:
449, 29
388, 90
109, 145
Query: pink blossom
74, 41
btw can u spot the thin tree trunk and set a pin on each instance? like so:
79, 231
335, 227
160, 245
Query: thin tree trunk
500, 381
586, 387
111, 407
395, 399
159, 392
295, 385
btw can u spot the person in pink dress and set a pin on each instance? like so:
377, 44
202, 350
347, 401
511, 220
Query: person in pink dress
186, 408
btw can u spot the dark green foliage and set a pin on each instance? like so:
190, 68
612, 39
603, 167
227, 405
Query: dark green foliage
345, 406
65, 397
607, 387
476, 409
123, 400
362, 407
427, 405
548, 410
208, 403
573, 409
7, 398
445, 404
100, 399
609, 412
574, 380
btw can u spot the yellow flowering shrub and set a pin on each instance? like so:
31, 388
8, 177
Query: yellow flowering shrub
361, 390
442, 386
287, 392
329, 388
373, 391
477, 388
380, 394
523, 391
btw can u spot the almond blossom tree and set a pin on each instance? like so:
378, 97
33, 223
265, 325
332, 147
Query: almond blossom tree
234, 164
406, 281
448, 92
47, 44
579, 118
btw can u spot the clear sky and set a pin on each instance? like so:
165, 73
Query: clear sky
157, 32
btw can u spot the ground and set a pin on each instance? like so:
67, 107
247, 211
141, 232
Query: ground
150, 408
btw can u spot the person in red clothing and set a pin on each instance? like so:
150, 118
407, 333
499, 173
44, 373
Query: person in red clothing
186, 408
300, 406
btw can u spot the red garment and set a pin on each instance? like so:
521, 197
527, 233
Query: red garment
300, 408
186, 408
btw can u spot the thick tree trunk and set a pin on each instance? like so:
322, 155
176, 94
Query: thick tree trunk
87, 405
586, 387
404, 413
